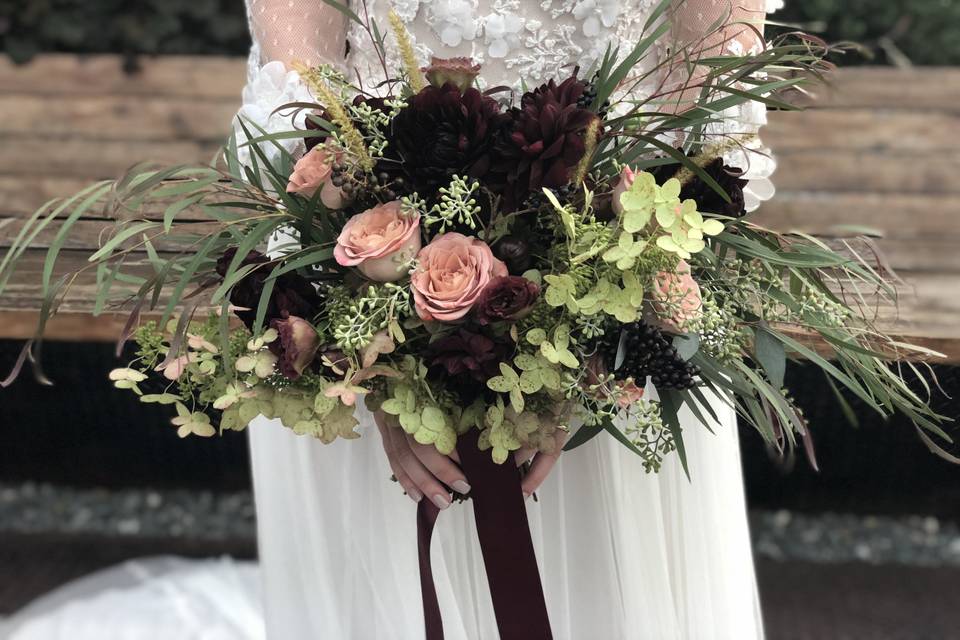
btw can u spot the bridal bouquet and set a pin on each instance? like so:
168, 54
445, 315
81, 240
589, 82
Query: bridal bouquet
470, 260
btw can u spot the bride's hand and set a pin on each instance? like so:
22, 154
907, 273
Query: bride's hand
540, 466
420, 469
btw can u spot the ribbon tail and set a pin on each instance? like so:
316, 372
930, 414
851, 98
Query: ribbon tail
508, 553
427, 514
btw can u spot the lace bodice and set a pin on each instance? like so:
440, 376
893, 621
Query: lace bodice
519, 42
515, 40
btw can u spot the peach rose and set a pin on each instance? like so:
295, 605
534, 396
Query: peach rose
378, 242
629, 392
454, 270
313, 172
676, 297
627, 177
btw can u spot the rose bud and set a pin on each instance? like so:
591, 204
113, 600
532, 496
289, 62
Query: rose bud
515, 252
676, 298
461, 72
627, 176
379, 241
312, 172
297, 346
506, 298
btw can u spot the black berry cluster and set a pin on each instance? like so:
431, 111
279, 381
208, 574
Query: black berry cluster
384, 186
647, 352
588, 97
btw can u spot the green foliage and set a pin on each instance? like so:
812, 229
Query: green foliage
118, 26
924, 31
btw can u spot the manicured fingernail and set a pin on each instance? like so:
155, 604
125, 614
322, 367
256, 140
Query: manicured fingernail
415, 495
441, 501
461, 486
526, 495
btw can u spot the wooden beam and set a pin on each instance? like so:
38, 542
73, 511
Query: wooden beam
192, 77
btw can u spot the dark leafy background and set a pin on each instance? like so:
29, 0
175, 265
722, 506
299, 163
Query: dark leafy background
921, 31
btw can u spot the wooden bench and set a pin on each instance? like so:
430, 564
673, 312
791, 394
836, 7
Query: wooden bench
878, 150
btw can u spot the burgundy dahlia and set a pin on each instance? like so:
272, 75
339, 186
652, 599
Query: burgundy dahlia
292, 294
546, 141
506, 298
441, 132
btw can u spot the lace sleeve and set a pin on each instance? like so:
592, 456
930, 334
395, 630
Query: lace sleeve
740, 34
306, 31
285, 32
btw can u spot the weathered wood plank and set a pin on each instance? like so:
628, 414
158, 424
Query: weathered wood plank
94, 159
117, 117
872, 130
23, 195
191, 77
905, 215
918, 88
66, 325
87, 235
867, 171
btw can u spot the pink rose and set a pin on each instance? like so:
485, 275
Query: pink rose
628, 393
676, 297
378, 242
454, 270
627, 177
313, 172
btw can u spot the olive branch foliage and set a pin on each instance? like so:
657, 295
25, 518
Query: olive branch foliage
241, 206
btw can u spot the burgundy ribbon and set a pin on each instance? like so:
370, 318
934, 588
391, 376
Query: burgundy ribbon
508, 554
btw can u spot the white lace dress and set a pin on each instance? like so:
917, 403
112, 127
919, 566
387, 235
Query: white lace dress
623, 554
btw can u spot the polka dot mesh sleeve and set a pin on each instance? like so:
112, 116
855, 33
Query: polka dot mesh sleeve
695, 29
288, 31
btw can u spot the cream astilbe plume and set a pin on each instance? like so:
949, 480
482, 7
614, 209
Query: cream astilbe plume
407, 54
352, 138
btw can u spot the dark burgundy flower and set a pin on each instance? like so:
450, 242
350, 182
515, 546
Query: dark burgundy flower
506, 298
468, 354
515, 253
296, 347
459, 71
292, 294
546, 140
441, 132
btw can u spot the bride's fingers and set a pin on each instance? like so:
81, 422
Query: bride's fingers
390, 449
541, 467
440, 466
524, 454
418, 473
408, 486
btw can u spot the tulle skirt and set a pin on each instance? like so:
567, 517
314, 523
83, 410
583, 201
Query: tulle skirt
622, 553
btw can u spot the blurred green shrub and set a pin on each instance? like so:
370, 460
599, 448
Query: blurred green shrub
28, 27
923, 32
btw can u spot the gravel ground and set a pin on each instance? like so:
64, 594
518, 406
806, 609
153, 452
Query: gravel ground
832, 538
202, 515
198, 515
